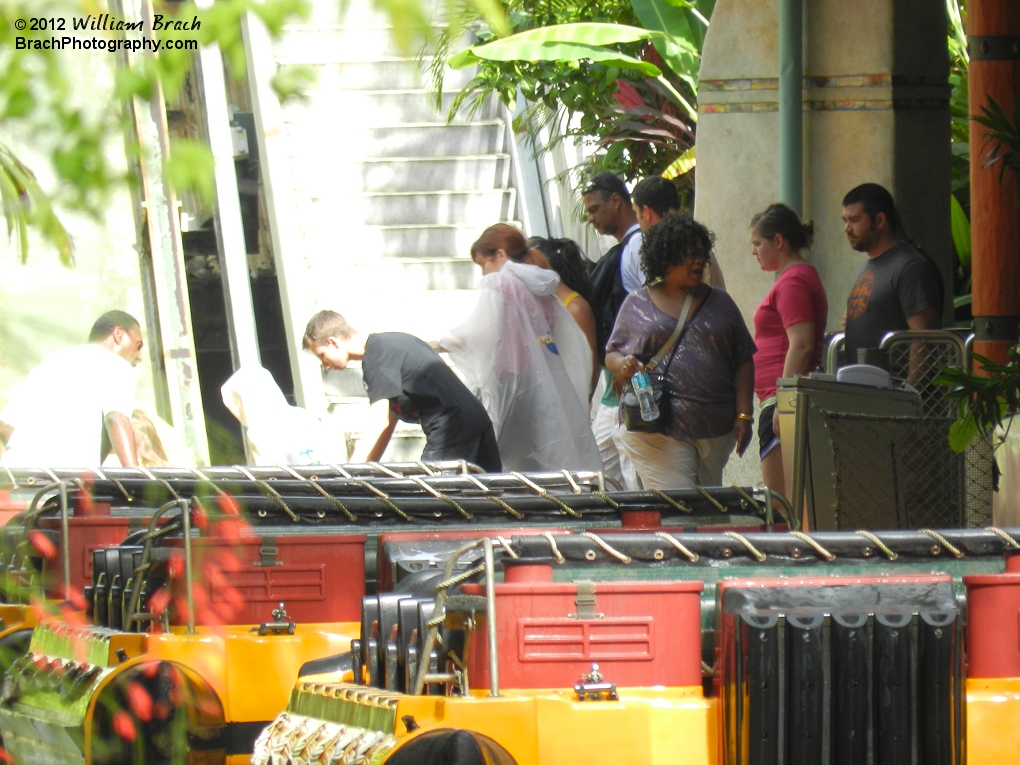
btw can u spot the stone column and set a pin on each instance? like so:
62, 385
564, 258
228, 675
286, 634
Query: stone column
876, 100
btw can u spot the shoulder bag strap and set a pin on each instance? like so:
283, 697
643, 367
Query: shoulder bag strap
676, 333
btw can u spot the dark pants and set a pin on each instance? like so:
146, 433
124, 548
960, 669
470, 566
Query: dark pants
481, 450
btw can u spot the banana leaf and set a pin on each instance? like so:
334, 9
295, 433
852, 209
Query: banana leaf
566, 42
960, 228
678, 47
681, 165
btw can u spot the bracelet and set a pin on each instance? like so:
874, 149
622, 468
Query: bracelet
742, 416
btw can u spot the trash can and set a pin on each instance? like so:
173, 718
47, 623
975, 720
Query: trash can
810, 465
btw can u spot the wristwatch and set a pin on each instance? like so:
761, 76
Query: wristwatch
742, 416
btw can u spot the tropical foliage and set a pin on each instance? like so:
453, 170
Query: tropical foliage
619, 75
37, 100
959, 108
987, 398
984, 400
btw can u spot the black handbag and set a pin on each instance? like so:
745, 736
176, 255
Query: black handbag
632, 419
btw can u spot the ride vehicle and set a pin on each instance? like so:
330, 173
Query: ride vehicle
196, 636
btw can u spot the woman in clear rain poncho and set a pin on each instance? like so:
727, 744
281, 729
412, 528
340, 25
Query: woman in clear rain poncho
526, 359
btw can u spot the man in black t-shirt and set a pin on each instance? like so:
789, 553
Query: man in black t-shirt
407, 380
898, 287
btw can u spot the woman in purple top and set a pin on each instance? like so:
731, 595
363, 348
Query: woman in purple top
709, 373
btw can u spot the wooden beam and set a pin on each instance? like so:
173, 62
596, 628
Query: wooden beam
244, 345
273, 161
170, 277
994, 35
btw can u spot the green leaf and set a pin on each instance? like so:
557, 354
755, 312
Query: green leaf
677, 48
585, 33
292, 81
190, 168
962, 432
960, 228
560, 51
463, 60
681, 165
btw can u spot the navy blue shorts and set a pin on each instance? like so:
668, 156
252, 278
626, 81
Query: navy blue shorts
768, 439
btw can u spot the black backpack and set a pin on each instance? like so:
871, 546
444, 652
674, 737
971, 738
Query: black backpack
607, 294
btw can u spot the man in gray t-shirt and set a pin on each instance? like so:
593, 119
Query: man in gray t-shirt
898, 287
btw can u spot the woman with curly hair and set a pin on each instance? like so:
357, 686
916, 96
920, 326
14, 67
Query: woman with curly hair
708, 372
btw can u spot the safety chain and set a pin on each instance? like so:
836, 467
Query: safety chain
758, 554
544, 494
606, 547
813, 544
890, 554
270, 492
943, 541
692, 556
555, 550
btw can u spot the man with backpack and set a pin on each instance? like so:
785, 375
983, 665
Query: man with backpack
608, 206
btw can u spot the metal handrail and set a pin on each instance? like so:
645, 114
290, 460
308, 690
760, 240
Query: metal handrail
34, 511
439, 614
136, 587
771, 497
914, 335
833, 345
968, 351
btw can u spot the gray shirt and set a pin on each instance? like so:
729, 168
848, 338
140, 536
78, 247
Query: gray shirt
699, 371
890, 288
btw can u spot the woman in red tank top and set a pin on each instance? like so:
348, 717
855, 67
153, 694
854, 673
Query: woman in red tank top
789, 324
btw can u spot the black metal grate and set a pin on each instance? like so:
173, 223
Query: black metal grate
896, 472
918, 363
805, 682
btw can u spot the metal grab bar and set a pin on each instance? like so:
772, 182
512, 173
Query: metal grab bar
915, 335
33, 513
136, 585
833, 345
440, 613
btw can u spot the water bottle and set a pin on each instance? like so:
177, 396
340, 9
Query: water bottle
645, 396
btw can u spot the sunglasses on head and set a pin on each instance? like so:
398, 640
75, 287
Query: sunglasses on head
600, 186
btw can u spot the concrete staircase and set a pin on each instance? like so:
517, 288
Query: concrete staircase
379, 162
386, 196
